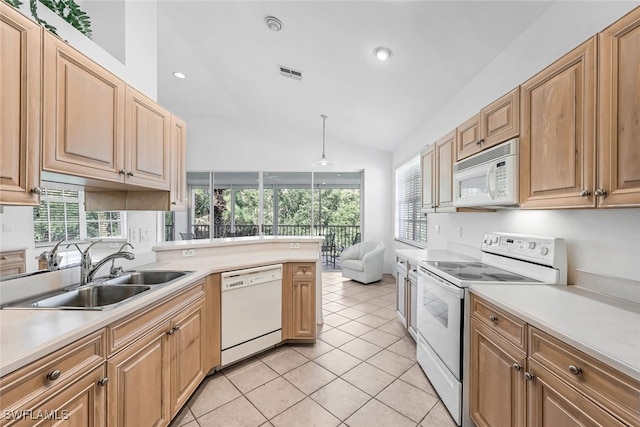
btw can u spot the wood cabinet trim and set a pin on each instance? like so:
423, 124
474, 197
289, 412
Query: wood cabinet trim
509, 107
506, 325
468, 137
427, 166
445, 149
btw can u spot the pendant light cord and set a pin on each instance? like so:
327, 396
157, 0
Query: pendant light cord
324, 120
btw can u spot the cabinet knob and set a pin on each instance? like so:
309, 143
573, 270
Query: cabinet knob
129, 173
176, 328
171, 331
600, 192
528, 376
517, 366
493, 318
53, 375
174, 203
480, 141
36, 190
585, 193
103, 382
121, 172
575, 370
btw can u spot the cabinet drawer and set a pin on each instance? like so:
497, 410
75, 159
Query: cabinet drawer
507, 326
64, 366
136, 325
12, 262
611, 389
303, 269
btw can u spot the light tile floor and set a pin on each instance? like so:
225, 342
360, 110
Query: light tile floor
361, 371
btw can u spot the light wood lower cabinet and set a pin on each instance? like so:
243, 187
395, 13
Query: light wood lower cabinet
20, 86
299, 302
213, 287
12, 262
561, 385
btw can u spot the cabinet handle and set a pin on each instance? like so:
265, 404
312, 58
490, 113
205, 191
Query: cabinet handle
36, 190
575, 370
53, 375
174, 203
129, 173
480, 141
493, 318
600, 192
171, 331
176, 328
103, 382
4, 257
121, 172
585, 193
528, 376
517, 366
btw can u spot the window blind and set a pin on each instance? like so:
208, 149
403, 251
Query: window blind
410, 223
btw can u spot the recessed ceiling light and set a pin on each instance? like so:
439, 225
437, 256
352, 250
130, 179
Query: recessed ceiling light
179, 75
273, 23
382, 53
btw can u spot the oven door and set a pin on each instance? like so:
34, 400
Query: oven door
440, 307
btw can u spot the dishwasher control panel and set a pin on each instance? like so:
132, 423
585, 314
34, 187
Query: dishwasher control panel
251, 277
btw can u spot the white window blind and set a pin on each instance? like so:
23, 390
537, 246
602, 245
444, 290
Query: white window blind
61, 215
411, 224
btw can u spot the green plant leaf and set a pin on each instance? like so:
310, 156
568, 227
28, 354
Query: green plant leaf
14, 3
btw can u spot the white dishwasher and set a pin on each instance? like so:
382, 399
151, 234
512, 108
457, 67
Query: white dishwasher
251, 311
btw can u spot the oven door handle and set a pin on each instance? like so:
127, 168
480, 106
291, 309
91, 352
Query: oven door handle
491, 176
449, 287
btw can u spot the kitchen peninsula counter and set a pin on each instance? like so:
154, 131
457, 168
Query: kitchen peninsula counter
29, 334
603, 327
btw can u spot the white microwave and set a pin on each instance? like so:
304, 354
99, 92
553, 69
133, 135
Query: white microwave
489, 178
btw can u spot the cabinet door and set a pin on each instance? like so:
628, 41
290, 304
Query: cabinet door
20, 74
445, 155
469, 137
427, 165
619, 150
138, 390
304, 308
500, 120
557, 138
212, 286
81, 404
497, 396
188, 351
12, 262
178, 164
83, 120
148, 131
552, 403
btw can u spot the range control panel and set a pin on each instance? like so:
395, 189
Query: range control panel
538, 249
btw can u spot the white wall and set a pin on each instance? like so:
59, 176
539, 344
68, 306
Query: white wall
602, 241
215, 144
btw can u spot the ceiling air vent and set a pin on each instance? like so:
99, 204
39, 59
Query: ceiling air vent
290, 72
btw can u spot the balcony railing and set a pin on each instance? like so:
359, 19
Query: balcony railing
343, 235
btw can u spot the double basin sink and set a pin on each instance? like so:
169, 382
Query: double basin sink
103, 294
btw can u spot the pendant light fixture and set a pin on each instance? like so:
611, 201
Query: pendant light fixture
323, 160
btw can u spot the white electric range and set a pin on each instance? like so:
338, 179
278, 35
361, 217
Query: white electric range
443, 304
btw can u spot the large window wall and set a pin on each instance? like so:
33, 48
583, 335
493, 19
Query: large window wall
231, 204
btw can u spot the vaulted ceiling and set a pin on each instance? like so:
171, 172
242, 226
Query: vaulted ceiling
231, 59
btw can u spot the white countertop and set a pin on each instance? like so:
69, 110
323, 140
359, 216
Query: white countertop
235, 241
27, 335
603, 327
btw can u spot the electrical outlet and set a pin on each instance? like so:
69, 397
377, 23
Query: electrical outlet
459, 232
7, 228
294, 245
144, 234
133, 234
437, 229
113, 245
188, 253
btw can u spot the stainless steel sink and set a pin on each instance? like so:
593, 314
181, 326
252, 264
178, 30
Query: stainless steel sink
146, 278
96, 297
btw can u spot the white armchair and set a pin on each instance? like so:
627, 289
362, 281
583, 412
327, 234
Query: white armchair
363, 262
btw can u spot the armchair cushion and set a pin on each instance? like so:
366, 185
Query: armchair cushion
362, 262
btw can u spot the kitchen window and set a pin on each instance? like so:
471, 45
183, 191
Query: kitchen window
61, 215
410, 223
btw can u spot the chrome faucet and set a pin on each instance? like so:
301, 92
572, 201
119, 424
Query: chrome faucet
117, 271
52, 257
88, 269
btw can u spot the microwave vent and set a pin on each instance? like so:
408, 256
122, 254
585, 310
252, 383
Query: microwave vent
290, 72
505, 149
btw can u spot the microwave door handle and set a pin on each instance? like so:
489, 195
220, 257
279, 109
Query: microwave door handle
491, 173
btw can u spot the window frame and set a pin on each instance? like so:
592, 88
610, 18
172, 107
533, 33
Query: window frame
408, 204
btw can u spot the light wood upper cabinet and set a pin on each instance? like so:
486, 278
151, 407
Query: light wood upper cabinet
619, 113
20, 85
178, 164
427, 166
148, 133
444, 159
299, 302
557, 139
83, 120
496, 123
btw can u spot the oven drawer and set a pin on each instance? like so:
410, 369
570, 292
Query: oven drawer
504, 324
611, 389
